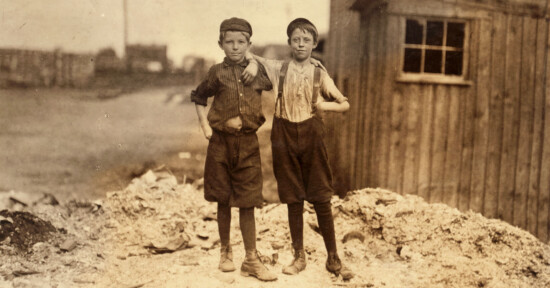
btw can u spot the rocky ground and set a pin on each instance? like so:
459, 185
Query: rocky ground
161, 233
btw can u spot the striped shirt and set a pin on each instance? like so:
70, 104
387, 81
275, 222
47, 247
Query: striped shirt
231, 97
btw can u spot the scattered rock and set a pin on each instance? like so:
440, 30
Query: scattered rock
24, 198
149, 177
277, 245
47, 199
68, 245
198, 183
170, 245
184, 155
19, 273
4, 219
309, 208
353, 235
84, 279
30, 283
203, 235
224, 278
314, 226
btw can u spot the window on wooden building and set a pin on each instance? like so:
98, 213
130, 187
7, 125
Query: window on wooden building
434, 50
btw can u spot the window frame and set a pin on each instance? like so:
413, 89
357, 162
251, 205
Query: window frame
434, 78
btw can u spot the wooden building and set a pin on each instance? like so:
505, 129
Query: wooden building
449, 101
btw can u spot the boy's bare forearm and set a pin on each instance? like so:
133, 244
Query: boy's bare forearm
333, 106
205, 126
201, 113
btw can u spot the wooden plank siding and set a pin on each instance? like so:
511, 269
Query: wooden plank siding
535, 187
498, 73
453, 156
341, 140
369, 139
439, 144
383, 87
510, 118
481, 118
467, 118
482, 146
526, 109
426, 142
543, 225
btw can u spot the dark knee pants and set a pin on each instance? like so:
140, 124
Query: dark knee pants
233, 171
300, 161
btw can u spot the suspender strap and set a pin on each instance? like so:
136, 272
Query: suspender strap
316, 88
282, 76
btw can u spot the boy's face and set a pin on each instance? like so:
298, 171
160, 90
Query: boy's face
302, 44
235, 45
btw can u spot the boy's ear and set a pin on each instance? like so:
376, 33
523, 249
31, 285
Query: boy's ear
220, 44
288, 41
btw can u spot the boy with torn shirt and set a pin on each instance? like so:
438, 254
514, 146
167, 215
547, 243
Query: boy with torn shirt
300, 160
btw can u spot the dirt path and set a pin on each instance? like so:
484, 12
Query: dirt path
74, 145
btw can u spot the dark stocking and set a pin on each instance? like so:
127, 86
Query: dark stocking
326, 224
248, 227
296, 223
224, 223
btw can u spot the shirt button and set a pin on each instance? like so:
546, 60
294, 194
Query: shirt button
239, 80
241, 94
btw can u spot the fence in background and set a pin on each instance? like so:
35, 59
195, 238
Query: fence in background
45, 68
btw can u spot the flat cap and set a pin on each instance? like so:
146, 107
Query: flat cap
296, 23
236, 24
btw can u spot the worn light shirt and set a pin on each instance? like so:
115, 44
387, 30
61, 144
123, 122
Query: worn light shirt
298, 88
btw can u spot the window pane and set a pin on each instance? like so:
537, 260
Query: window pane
434, 34
414, 32
453, 63
412, 60
455, 35
433, 61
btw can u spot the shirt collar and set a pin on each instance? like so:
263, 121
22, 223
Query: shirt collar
227, 63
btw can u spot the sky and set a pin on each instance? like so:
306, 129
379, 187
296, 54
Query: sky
188, 27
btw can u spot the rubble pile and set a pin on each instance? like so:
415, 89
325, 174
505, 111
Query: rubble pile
154, 213
449, 247
158, 232
44, 244
416, 243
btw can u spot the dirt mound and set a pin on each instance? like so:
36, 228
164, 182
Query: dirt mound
160, 233
22, 229
443, 246
388, 239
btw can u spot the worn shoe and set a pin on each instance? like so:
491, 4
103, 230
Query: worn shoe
252, 266
336, 267
226, 259
297, 265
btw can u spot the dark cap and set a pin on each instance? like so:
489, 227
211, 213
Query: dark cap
236, 24
299, 22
